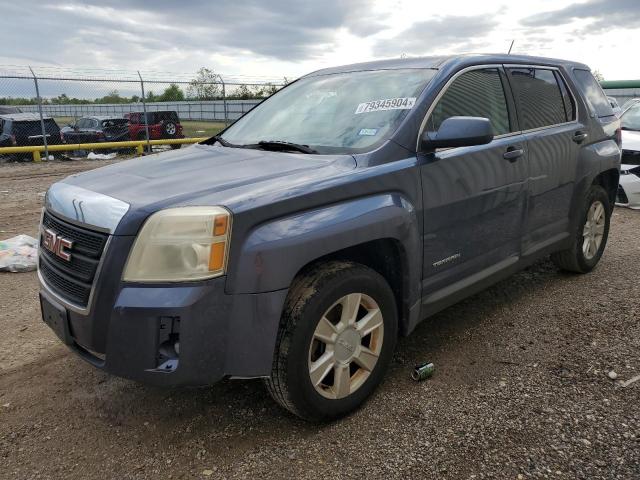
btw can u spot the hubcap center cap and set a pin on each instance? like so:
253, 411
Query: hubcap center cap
346, 345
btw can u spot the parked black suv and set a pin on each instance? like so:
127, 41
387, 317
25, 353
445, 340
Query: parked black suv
97, 129
25, 129
336, 215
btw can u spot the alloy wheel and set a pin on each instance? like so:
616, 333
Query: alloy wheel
593, 230
346, 345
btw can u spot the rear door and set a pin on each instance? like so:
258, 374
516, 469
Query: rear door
473, 197
547, 116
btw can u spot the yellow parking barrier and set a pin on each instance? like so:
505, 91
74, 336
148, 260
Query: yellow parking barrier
137, 144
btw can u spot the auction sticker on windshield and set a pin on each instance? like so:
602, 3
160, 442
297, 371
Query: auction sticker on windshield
400, 103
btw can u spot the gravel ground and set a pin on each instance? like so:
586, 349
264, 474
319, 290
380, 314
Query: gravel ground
522, 388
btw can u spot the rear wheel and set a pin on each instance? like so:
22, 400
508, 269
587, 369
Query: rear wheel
336, 338
170, 129
591, 236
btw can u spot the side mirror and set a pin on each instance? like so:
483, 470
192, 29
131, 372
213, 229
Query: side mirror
459, 132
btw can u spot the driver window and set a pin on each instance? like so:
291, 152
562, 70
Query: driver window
478, 93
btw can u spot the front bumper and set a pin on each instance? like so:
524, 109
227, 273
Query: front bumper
219, 335
630, 184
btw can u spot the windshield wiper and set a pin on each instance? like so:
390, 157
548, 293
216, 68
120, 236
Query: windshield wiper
282, 146
220, 140
630, 129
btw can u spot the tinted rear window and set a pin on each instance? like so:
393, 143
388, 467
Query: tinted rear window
164, 116
33, 127
116, 122
590, 88
539, 97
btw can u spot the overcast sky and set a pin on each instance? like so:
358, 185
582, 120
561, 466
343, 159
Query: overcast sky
272, 38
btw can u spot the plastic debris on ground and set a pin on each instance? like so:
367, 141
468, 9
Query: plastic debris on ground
101, 156
18, 254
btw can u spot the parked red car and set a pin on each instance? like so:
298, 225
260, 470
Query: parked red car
161, 125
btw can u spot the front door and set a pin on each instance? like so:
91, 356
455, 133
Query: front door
474, 197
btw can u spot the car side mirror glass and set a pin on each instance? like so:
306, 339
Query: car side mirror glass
459, 132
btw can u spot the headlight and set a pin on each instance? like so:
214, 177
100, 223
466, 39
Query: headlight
179, 245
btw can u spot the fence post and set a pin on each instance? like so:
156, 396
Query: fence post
44, 130
144, 109
224, 101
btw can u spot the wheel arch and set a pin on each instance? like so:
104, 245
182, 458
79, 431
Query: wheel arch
380, 231
386, 256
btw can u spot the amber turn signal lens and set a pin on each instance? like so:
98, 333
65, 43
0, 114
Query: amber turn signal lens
220, 225
216, 257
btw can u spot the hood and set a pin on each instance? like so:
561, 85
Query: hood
236, 178
631, 140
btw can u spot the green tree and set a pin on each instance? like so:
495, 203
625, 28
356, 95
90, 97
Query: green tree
205, 86
172, 93
598, 75
112, 97
242, 93
151, 97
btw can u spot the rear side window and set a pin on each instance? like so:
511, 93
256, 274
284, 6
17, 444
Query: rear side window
590, 88
116, 122
478, 93
27, 128
538, 96
569, 104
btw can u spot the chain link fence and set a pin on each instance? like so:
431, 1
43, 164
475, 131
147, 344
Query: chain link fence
51, 106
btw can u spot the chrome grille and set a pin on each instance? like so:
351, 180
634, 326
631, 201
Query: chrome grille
71, 280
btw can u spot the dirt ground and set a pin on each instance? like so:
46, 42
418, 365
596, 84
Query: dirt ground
521, 389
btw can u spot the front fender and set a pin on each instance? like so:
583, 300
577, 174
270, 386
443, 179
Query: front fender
273, 252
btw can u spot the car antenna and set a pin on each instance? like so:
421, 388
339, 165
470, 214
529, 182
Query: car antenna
512, 42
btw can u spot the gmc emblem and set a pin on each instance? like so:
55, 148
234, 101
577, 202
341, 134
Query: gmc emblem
57, 245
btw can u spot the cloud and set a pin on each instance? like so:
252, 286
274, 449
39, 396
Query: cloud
103, 32
437, 33
596, 16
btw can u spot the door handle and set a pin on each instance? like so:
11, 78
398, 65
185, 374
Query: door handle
513, 153
579, 136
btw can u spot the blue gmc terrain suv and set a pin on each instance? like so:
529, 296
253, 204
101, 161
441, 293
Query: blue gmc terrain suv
298, 244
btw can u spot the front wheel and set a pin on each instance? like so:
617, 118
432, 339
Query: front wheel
591, 236
336, 338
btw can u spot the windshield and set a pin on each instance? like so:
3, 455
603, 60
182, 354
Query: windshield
631, 118
337, 113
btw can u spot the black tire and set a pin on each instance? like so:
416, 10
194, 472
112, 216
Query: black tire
573, 259
310, 296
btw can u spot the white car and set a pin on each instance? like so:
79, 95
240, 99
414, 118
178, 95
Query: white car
629, 188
